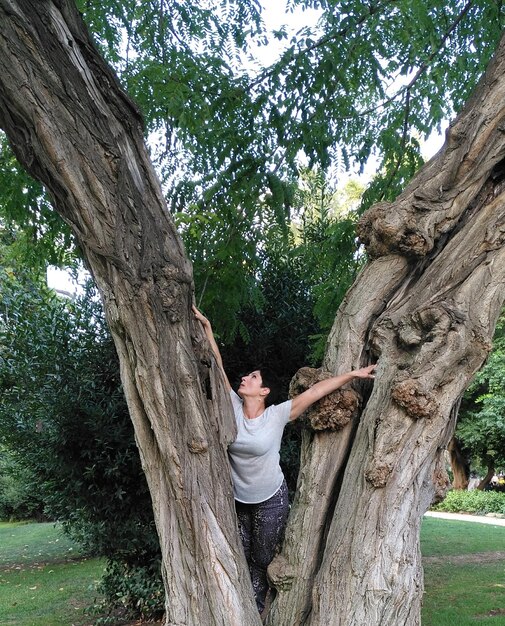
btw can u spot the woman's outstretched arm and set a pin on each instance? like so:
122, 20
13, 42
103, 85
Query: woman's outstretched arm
215, 348
302, 402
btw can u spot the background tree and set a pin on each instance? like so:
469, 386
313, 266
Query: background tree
64, 420
481, 425
32, 234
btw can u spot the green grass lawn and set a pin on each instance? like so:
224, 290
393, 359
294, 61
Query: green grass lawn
464, 595
25, 544
440, 537
468, 591
46, 581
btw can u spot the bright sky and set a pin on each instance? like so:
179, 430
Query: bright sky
275, 15
62, 281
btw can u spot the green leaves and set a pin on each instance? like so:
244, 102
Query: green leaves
481, 426
474, 501
229, 139
64, 417
338, 85
36, 234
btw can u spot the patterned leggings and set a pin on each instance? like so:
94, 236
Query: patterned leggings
261, 528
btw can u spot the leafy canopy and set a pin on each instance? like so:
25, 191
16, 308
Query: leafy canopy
369, 77
229, 134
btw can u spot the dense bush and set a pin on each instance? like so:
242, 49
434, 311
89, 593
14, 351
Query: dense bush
131, 590
474, 501
19, 496
64, 416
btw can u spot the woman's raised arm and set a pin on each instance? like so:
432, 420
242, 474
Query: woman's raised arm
302, 402
207, 327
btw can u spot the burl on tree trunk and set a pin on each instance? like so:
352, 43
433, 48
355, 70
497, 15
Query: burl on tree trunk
425, 308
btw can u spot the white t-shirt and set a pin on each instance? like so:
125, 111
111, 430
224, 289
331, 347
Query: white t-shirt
254, 455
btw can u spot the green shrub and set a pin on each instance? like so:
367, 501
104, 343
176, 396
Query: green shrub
19, 497
475, 501
64, 417
131, 591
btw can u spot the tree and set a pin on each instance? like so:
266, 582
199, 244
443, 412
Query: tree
419, 305
425, 306
139, 265
460, 465
481, 424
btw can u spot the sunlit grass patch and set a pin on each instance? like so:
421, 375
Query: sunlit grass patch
44, 578
463, 589
25, 544
441, 537
465, 595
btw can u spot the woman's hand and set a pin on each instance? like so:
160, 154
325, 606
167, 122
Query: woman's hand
201, 317
302, 402
365, 372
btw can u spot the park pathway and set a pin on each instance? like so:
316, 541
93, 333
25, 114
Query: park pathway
464, 517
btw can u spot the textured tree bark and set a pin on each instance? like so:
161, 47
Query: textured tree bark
425, 306
487, 478
71, 125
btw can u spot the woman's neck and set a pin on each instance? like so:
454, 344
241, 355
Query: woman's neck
253, 407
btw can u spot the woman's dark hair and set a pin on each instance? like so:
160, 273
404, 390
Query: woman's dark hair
270, 379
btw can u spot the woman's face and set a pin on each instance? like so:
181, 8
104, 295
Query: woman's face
251, 385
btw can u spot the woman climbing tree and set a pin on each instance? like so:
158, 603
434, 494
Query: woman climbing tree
261, 493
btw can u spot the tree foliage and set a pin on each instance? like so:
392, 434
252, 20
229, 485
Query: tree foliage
19, 495
481, 426
64, 418
365, 79
37, 234
229, 134
326, 246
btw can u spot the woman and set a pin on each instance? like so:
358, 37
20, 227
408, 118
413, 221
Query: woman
261, 495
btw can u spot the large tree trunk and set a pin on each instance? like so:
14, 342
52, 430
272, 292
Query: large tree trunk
425, 306
74, 129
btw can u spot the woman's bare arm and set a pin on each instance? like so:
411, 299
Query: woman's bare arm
215, 348
302, 402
